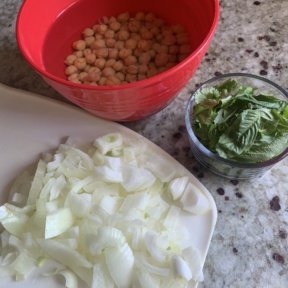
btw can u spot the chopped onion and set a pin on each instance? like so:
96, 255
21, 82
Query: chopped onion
109, 214
120, 264
177, 186
58, 222
194, 201
181, 268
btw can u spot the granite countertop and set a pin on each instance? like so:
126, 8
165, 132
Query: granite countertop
250, 244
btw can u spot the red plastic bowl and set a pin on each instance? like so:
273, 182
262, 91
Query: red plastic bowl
45, 32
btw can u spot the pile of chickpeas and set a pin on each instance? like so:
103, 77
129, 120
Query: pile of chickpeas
125, 49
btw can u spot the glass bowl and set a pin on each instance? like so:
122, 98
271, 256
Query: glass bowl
216, 164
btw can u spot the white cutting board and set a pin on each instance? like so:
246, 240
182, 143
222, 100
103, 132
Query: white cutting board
32, 124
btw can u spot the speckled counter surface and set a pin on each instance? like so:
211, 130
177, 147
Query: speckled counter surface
250, 244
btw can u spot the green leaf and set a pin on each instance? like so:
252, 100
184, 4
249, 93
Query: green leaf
227, 87
231, 120
265, 152
206, 93
240, 135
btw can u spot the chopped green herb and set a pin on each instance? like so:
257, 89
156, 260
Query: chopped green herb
240, 123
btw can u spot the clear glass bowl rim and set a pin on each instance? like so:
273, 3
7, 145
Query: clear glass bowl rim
214, 156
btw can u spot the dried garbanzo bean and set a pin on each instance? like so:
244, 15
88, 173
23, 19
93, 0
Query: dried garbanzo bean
79, 45
71, 70
70, 59
124, 49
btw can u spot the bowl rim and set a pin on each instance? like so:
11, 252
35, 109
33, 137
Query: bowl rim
140, 83
215, 156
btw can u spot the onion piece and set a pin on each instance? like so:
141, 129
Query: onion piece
120, 264
177, 186
194, 201
109, 141
58, 222
181, 268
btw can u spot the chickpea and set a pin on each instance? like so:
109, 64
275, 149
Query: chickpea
120, 76
141, 76
102, 81
168, 39
93, 83
102, 52
82, 76
89, 40
99, 43
173, 49
80, 63
124, 52
93, 76
152, 71
119, 45
87, 51
145, 33
100, 28
112, 19
78, 54
172, 58
73, 76
110, 63
137, 52
144, 45
135, 36
90, 58
161, 59
132, 69
100, 63
130, 60
149, 25
124, 26
123, 35
130, 78
134, 25
143, 68
98, 36
94, 70
115, 26
110, 42
150, 17
152, 53
156, 47
113, 53
113, 80
87, 32
109, 34
144, 58
185, 49
79, 45
123, 17
118, 66
155, 30
182, 38
87, 68
70, 59
108, 71
159, 37
163, 49
131, 44
71, 69
140, 16
104, 20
